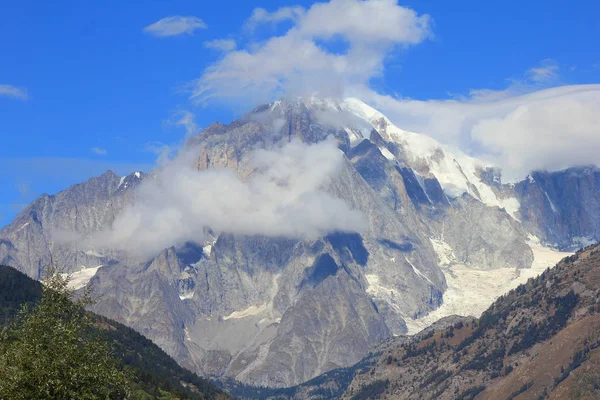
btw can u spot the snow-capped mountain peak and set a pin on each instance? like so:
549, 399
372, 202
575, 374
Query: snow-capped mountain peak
456, 172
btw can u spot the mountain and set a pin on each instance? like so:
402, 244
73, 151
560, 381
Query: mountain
539, 341
156, 374
442, 235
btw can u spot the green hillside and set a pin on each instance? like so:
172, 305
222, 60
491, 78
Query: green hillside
152, 373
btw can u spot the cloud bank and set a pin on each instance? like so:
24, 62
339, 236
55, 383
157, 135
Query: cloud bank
174, 26
550, 129
285, 196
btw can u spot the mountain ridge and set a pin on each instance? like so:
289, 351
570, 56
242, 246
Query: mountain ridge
429, 219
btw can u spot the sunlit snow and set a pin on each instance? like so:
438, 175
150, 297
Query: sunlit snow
457, 172
471, 291
79, 279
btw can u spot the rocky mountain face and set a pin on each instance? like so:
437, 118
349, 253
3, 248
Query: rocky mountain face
47, 231
562, 208
539, 341
277, 311
152, 373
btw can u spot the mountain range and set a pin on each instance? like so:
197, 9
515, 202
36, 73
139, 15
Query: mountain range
394, 233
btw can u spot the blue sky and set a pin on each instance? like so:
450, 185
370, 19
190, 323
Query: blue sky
94, 90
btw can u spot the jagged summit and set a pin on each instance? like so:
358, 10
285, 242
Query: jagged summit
353, 121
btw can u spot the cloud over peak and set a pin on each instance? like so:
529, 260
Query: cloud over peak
174, 26
309, 56
286, 195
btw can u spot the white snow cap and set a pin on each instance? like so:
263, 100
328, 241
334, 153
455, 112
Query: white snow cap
457, 172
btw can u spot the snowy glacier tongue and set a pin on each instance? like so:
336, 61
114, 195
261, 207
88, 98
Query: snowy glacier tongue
471, 291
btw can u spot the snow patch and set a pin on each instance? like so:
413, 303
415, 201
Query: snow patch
187, 296
387, 154
208, 246
551, 203
355, 136
80, 279
416, 271
511, 205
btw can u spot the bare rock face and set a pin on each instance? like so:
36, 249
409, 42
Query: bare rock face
50, 230
146, 298
562, 208
484, 237
278, 311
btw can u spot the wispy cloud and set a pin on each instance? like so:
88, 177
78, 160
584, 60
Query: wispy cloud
221, 44
186, 119
13, 91
261, 16
99, 150
175, 25
24, 189
547, 71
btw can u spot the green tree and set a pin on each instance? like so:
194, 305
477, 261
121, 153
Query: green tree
52, 351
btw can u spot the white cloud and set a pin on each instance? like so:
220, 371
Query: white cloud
285, 196
549, 129
262, 16
99, 150
186, 119
547, 71
175, 25
224, 45
299, 62
13, 91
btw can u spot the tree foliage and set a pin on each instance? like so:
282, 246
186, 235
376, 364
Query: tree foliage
51, 351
